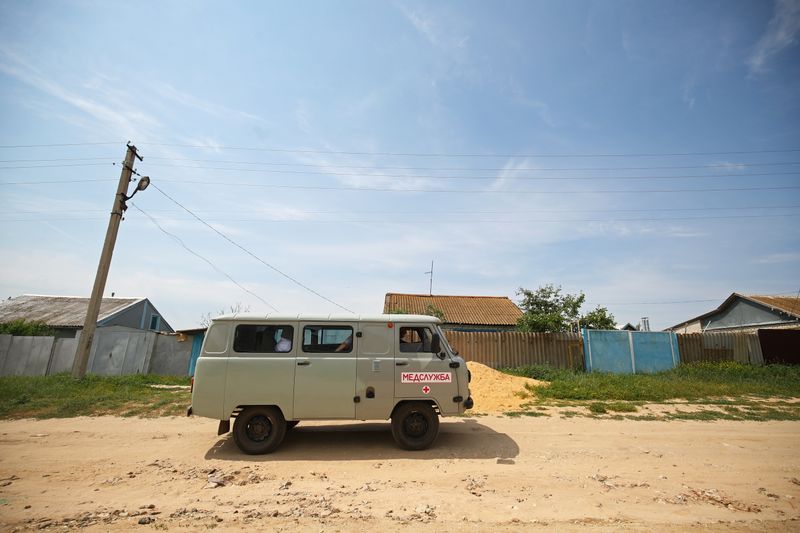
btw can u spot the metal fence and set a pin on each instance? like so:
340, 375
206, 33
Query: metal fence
513, 348
720, 346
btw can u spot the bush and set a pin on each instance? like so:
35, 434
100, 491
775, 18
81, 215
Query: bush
26, 328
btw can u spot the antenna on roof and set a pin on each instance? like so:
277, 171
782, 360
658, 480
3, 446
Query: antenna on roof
430, 288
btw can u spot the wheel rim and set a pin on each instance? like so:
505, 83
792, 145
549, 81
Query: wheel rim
258, 428
415, 425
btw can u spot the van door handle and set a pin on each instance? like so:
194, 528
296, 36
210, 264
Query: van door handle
401, 363
303, 363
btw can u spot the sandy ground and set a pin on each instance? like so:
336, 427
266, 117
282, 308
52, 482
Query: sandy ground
486, 473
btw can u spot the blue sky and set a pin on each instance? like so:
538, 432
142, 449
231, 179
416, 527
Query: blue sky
645, 153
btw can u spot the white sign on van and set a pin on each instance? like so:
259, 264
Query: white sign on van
426, 377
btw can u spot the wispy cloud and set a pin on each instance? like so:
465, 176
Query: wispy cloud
773, 259
781, 33
441, 36
124, 119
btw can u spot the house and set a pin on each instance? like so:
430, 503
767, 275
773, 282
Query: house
746, 314
460, 313
66, 314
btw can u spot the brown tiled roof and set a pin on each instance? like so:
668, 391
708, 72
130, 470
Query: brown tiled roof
58, 311
787, 304
475, 310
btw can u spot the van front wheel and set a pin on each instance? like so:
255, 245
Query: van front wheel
415, 425
259, 430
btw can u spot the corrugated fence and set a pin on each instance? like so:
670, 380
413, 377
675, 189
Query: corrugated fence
513, 348
722, 346
565, 350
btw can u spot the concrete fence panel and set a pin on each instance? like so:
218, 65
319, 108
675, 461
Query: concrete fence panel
63, 355
28, 356
170, 357
121, 351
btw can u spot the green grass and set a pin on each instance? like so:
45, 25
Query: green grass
61, 396
692, 382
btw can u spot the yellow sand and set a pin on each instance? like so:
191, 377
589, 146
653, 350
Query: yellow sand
495, 392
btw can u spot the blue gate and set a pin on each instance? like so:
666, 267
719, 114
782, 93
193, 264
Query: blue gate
629, 352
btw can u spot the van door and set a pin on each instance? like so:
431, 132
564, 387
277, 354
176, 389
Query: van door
419, 373
325, 377
375, 376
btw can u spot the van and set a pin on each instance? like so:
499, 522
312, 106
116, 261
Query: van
271, 372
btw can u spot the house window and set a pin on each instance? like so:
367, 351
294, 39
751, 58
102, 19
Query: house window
154, 322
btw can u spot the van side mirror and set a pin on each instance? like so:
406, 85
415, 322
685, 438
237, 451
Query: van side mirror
436, 344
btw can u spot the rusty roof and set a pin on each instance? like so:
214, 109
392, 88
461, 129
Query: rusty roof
59, 311
787, 304
473, 310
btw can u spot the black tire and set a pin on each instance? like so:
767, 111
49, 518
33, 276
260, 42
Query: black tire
259, 430
291, 423
415, 425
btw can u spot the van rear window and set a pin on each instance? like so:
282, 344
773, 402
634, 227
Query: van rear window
260, 338
327, 339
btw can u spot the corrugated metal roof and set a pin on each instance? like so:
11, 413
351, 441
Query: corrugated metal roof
59, 311
473, 310
787, 304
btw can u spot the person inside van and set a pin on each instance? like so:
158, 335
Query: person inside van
285, 342
410, 340
345, 346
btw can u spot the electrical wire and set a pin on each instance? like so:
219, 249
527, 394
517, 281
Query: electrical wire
59, 145
495, 169
50, 182
208, 261
431, 154
248, 252
498, 178
471, 212
471, 191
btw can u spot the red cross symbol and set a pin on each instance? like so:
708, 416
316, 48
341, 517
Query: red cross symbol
426, 389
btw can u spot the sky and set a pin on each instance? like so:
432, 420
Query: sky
313, 156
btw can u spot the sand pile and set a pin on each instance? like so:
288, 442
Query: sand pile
494, 391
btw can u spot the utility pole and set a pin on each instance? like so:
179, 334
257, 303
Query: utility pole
118, 209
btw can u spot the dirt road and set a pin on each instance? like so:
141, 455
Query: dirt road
487, 473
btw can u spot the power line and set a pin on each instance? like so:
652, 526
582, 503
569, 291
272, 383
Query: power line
430, 221
443, 154
215, 267
59, 145
50, 182
487, 169
58, 159
248, 252
472, 191
428, 176
470, 212
680, 301
55, 166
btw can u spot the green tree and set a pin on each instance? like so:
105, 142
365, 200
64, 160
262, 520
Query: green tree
548, 310
598, 318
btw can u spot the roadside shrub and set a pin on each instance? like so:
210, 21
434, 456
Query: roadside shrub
26, 328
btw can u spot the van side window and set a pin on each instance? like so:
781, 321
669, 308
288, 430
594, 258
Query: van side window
415, 339
260, 338
217, 338
327, 339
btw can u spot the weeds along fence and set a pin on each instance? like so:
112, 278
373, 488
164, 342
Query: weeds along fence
514, 348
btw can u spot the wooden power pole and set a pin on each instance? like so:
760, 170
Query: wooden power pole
90, 324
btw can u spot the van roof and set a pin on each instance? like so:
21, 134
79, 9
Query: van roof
273, 317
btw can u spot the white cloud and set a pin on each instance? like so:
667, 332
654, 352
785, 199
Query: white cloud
773, 259
781, 33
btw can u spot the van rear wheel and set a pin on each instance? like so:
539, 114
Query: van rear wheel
415, 425
259, 429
